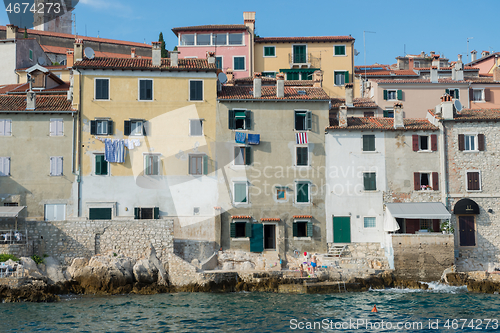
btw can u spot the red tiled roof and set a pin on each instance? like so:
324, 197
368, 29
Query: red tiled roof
416, 81
213, 27
48, 67
484, 58
302, 216
426, 69
400, 72
482, 79
85, 38
269, 93
62, 50
359, 102
241, 217
25, 87
477, 115
383, 124
145, 64
272, 80
9, 87
43, 103
371, 66
304, 39
270, 219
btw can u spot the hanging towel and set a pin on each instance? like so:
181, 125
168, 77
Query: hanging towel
240, 137
119, 151
253, 139
109, 150
301, 138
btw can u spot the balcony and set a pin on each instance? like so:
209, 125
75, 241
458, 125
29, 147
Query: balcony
300, 60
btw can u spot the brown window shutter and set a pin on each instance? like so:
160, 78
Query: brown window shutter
486, 95
480, 142
476, 181
461, 142
434, 142
469, 181
415, 142
435, 181
471, 95
416, 181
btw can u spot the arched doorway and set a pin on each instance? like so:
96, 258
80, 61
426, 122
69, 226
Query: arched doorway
466, 211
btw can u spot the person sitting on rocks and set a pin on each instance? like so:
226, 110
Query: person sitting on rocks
313, 264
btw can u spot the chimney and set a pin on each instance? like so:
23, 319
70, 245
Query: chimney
422, 54
280, 85
78, 49
70, 58
484, 54
132, 52
434, 74
435, 60
174, 58
343, 116
496, 73
249, 19
230, 77
349, 94
257, 85
317, 79
398, 115
447, 107
157, 55
459, 58
473, 55
211, 57
30, 100
11, 31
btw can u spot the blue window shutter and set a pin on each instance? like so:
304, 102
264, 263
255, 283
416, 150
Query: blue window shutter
248, 229
232, 231
93, 127
205, 164
309, 229
232, 120
156, 212
385, 94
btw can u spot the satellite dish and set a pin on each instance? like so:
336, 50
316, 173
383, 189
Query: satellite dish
458, 105
42, 61
222, 78
356, 52
89, 53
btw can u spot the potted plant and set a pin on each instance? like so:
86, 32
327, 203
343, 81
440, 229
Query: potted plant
447, 227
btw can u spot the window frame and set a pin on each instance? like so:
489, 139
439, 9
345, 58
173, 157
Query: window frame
467, 180
340, 55
335, 75
195, 156
196, 43
307, 222
364, 178
264, 51
429, 179
57, 120
363, 143
307, 117
454, 90
482, 100
235, 33
214, 36
53, 204
302, 182
365, 224
157, 162
246, 121
95, 89
386, 112
202, 90
100, 121
293, 53
269, 74
247, 198
8, 159
3, 123
57, 159
221, 61
247, 160
108, 165
135, 121
476, 143
139, 90
395, 92
190, 127
30, 54
194, 40
420, 143
297, 147
277, 190
244, 63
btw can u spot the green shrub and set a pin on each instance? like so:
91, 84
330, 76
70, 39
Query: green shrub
37, 259
4, 257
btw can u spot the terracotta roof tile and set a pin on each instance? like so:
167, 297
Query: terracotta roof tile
43, 103
477, 115
269, 92
302, 216
62, 50
271, 80
144, 64
415, 81
426, 69
304, 39
212, 27
481, 79
270, 219
358, 102
25, 87
9, 87
383, 124
242, 217
387, 73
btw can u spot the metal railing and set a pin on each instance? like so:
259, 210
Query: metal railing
12, 236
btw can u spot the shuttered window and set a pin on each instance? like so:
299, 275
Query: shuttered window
339, 50
142, 213
101, 127
56, 127
55, 212
302, 190
302, 229
341, 77
369, 142
101, 165
241, 230
303, 120
240, 192
302, 156
198, 165
146, 90
195, 127
102, 89
195, 90
151, 165
269, 51
56, 166
239, 63
242, 155
4, 166
369, 181
5, 127
473, 181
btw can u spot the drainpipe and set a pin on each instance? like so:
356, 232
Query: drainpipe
78, 173
443, 157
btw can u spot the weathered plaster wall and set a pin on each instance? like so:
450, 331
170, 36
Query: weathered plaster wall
8, 63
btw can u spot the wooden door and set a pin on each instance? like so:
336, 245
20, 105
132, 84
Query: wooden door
467, 230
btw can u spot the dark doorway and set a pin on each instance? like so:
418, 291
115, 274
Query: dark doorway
467, 231
269, 237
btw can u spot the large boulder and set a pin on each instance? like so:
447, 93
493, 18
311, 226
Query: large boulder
145, 272
31, 269
78, 263
54, 271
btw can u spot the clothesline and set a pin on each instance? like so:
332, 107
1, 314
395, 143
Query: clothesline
114, 149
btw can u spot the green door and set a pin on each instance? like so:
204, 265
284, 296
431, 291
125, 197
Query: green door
341, 229
100, 213
299, 54
257, 239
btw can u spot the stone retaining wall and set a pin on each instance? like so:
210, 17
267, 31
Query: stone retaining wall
18, 250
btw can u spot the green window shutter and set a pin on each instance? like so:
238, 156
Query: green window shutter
365, 143
295, 229
248, 119
104, 166
232, 120
155, 160
248, 229
232, 231
309, 229
126, 127
303, 192
400, 95
110, 127
205, 164
98, 166
248, 155
386, 113
456, 94
385, 96
370, 181
369, 142
308, 120
447, 91
93, 127
156, 213
136, 213
346, 77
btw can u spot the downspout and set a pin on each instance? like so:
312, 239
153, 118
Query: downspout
78, 173
443, 156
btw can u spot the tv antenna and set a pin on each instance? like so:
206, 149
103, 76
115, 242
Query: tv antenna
468, 47
364, 45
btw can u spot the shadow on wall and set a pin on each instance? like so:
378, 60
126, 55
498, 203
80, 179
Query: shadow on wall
189, 250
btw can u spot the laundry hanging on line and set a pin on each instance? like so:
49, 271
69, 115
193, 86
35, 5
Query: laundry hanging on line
240, 137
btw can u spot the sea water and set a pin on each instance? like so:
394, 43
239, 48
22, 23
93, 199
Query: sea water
439, 309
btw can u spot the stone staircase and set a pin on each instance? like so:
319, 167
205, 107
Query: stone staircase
336, 251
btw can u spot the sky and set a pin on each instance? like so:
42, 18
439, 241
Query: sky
391, 27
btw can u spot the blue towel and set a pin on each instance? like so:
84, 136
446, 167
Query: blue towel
240, 137
119, 151
109, 150
253, 139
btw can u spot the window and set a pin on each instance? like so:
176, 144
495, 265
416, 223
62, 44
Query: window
341, 77
339, 50
242, 155
367, 114
302, 229
101, 127
151, 164
240, 119
56, 166
473, 181
196, 127
269, 51
416, 64
239, 63
269, 74
145, 90
454, 93
299, 54
5, 127
102, 89
196, 90
302, 156
236, 39
100, 213
56, 127
101, 165
369, 142
218, 62
369, 180
280, 193
141, 213
426, 224
240, 192
370, 222
203, 39
393, 95
303, 120
55, 212
134, 127
302, 192
241, 230
424, 142
219, 39
388, 113
426, 181
292, 76
4, 166
31, 55
198, 164
187, 39
11, 204
471, 142
478, 95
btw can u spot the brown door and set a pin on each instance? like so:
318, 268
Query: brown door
467, 231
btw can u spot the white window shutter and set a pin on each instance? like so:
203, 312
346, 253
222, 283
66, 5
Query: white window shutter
52, 166
59, 166
50, 212
59, 213
3, 125
8, 127
60, 129
53, 124
2, 166
6, 166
